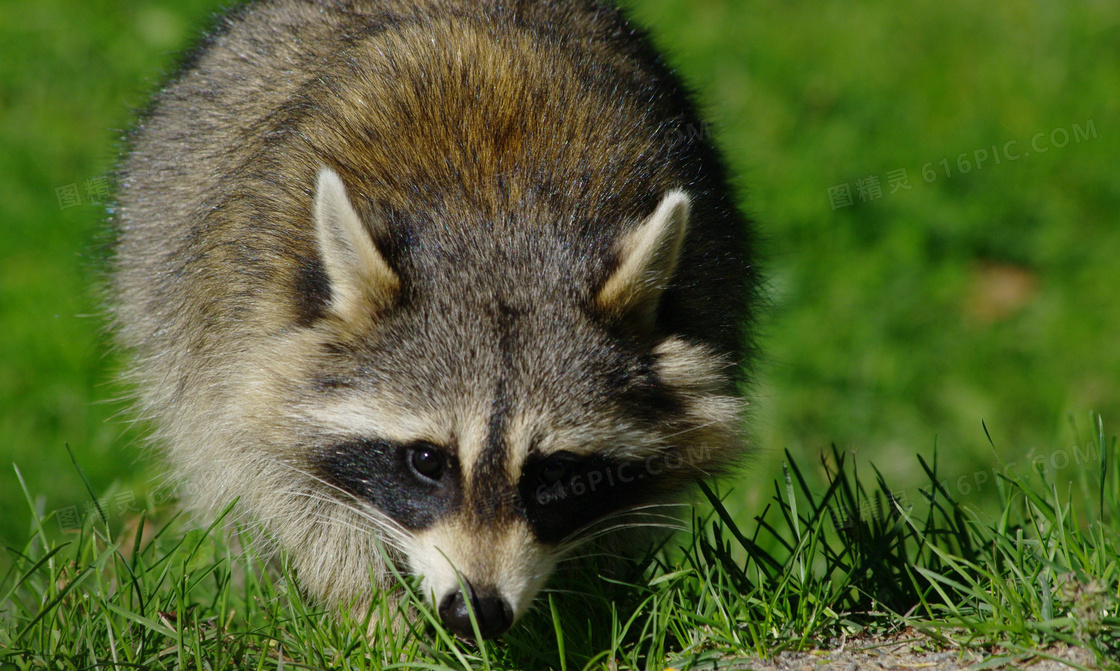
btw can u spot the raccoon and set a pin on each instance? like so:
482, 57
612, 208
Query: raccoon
443, 283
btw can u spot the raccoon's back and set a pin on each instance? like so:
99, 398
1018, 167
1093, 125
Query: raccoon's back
500, 135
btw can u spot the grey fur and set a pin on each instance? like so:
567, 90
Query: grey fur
506, 289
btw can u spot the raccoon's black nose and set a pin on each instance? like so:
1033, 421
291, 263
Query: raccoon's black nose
492, 612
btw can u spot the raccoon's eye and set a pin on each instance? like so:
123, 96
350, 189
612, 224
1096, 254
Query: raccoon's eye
554, 470
427, 461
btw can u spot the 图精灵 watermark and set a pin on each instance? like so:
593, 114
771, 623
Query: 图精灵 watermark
97, 190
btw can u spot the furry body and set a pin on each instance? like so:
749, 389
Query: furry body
401, 275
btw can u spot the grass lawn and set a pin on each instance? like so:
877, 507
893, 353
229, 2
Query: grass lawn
938, 190
815, 569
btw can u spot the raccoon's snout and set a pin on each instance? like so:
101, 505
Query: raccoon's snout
492, 612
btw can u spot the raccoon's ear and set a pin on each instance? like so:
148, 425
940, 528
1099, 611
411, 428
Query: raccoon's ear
361, 281
647, 257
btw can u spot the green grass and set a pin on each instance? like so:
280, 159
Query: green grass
820, 563
894, 325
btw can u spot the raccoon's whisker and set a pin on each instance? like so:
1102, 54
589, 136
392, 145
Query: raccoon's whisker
390, 531
583, 539
588, 552
624, 519
643, 509
653, 506
388, 539
379, 522
361, 510
382, 521
689, 429
397, 536
649, 519
568, 592
362, 514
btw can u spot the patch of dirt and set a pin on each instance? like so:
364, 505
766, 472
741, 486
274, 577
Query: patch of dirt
998, 291
907, 652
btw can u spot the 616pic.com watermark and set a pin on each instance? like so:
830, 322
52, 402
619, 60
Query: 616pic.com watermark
870, 188
1050, 467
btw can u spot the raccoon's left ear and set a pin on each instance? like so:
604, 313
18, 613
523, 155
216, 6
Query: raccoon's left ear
647, 257
361, 281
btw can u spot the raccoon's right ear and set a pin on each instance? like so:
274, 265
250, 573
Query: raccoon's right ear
361, 281
647, 258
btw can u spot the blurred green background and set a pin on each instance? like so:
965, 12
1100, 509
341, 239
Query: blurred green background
902, 312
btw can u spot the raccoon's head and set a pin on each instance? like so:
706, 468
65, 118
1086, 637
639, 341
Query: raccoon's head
489, 397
